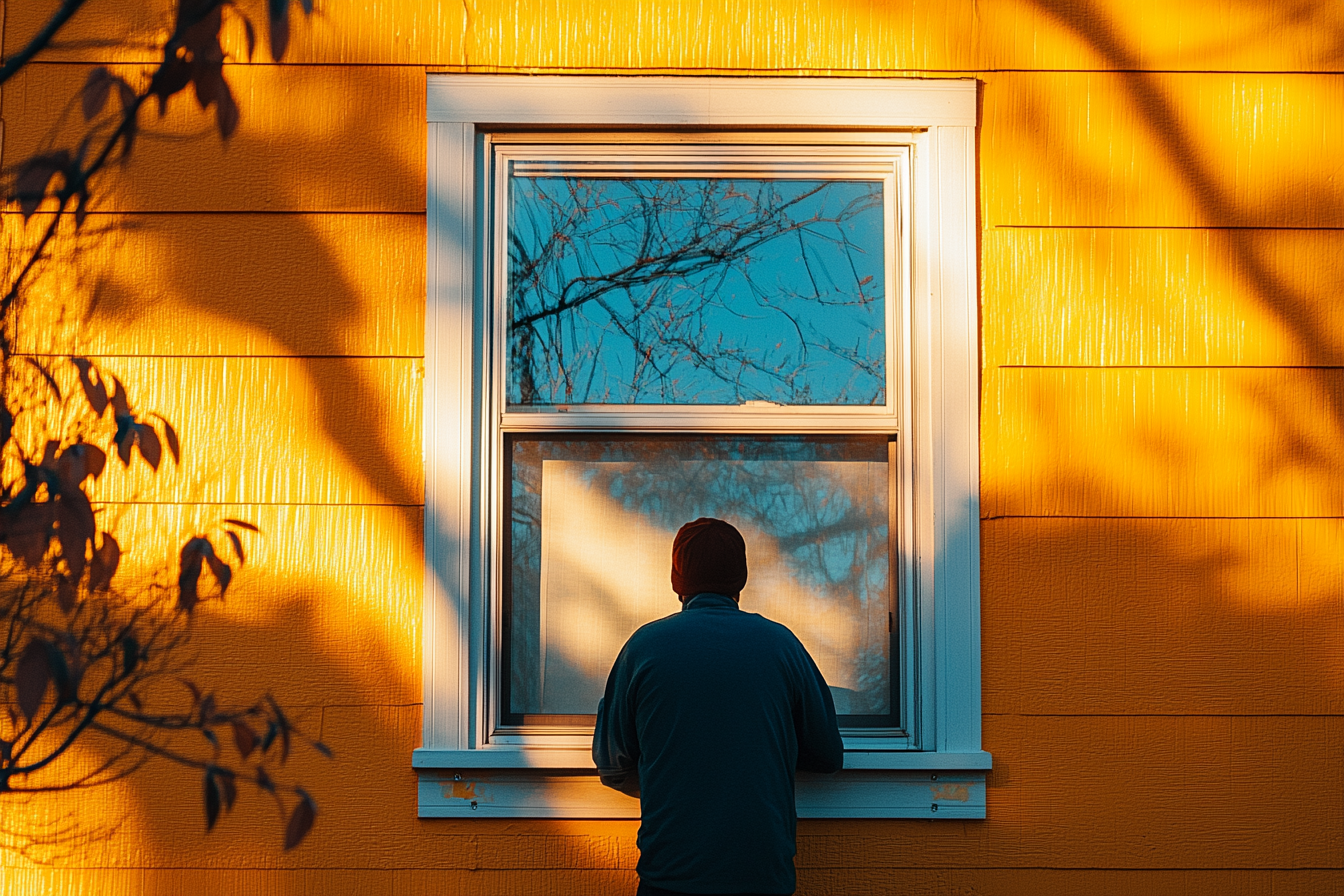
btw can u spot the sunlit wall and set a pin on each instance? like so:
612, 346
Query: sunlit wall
1162, 428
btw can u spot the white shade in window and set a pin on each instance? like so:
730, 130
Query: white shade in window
605, 572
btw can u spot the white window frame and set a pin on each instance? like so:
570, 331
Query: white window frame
463, 771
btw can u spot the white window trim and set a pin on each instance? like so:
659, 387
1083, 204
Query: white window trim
460, 775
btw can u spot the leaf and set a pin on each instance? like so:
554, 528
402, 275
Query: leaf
29, 534
130, 126
211, 799
264, 781
106, 559
189, 577
278, 11
126, 94
150, 449
226, 111
46, 375
323, 749
60, 672
228, 786
130, 656
170, 436
32, 678
34, 177
237, 545
117, 395
74, 674
269, 737
95, 390
135, 700
78, 462
125, 437
6, 425
301, 821
283, 724
242, 524
96, 89
250, 33
75, 529
223, 574
244, 738
207, 709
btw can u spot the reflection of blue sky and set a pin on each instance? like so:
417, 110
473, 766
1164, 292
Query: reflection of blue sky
802, 493
698, 291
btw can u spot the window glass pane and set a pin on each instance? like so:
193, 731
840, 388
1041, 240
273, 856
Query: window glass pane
693, 290
592, 524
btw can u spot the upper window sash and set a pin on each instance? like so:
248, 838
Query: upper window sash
755, 158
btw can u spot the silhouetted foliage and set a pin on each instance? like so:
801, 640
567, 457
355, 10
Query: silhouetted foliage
89, 657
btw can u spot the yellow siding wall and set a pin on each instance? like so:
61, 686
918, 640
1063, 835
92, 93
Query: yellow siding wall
1162, 260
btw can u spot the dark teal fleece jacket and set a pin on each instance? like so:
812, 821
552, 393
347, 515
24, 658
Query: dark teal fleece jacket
706, 716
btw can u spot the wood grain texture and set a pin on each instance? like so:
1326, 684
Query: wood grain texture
1162, 442
532, 882
269, 430
232, 284
1161, 150
1163, 297
1059, 882
1151, 35
1200, 617
1142, 793
310, 138
788, 35
326, 610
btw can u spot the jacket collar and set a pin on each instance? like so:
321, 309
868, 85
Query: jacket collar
706, 599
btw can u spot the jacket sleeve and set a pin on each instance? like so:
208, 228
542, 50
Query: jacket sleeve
615, 739
820, 748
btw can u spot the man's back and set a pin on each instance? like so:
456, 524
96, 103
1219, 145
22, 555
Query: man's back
716, 708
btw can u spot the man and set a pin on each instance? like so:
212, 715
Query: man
707, 714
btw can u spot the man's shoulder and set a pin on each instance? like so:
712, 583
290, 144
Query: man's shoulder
739, 623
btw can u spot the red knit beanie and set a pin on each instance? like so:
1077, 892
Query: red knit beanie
708, 555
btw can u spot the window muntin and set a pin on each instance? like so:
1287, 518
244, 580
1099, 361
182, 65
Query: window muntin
591, 519
517, 710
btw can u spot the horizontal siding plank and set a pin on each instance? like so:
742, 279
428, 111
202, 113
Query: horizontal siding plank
231, 284
811, 882
1161, 150
789, 35
267, 430
1162, 616
1162, 442
1144, 793
310, 138
612, 35
305, 618
1156, 297
1058, 882
340, 881
1152, 35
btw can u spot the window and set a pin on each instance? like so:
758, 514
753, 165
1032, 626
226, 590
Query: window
657, 299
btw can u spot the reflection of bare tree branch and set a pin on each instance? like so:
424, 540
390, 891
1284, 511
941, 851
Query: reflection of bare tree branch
679, 270
832, 536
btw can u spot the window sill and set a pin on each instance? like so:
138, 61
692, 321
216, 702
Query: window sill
561, 760
534, 783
